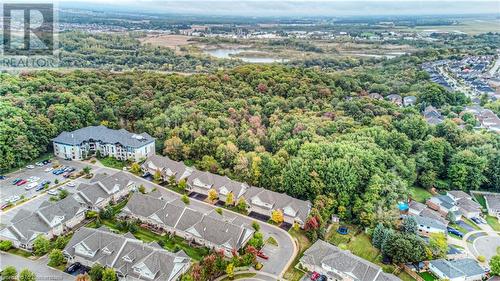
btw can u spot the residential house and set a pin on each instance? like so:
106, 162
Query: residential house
51, 219
336, 264
419, 209
105, 189
427, 226
375, 96
466, 269
175, 217
493, 204
132, 259
466, 205
120, 144
486, 117
409, 101
432, 115
259, 200
395, 99
444, 204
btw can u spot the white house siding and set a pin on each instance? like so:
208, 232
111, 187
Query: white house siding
259, 210
427, 231
79, 152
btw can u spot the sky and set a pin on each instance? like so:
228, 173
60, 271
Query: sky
256, 8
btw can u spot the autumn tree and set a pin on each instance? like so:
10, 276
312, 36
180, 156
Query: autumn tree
277, 216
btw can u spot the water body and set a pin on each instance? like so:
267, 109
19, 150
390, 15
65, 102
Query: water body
234, 53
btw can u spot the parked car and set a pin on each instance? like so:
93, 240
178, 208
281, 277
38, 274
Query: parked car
4, 205
69, 169
68, 174
14, 182
476, 220
58, 171
454, 231
45, 162
261, 254
39, 164
31, 185
71, 184
2, 177
315, 276
322, 278
40, 187
49, 169
21, 182
13, 199
33, 179
30, 167
53, 192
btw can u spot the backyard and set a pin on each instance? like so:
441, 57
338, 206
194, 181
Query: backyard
113, 163
419, 194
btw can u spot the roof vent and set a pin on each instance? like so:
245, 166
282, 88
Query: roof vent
137, 137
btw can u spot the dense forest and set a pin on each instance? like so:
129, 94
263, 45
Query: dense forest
301, 131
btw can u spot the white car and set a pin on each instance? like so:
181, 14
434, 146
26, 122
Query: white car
31, 185
71, 184
33, 178
53, 192
39, 164
13, 199
49, 169
30, 167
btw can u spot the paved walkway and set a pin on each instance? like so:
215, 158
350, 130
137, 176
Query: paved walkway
259, 276
39, 267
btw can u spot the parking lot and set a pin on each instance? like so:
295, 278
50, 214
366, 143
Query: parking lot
9, 190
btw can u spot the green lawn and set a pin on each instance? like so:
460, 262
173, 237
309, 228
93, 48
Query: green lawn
292, 273
493, 222
240, 276
480, 199
359, 243
113, 163
419, 194
405, 276
459, 228
20, 252
427, 276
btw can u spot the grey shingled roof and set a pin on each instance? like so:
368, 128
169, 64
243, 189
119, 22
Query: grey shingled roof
159, 261
343, 262
102, 186
211, 228
457, 268
430, 222
27, 225
493, 201
105, 135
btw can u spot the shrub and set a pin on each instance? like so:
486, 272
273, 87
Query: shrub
9, 273
481, 258
27, 275
56, 257
5, 245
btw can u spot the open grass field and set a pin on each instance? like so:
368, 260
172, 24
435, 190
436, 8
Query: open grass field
168, 41
419, 194
493, 222
471, 27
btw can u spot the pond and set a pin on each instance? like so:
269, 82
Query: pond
257, 56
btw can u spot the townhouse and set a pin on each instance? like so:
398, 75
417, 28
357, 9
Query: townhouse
395, 99
51, 219
120, 144
466, 269
104, 189
175, 217
132, 259
432, 115
336, 264
259, 200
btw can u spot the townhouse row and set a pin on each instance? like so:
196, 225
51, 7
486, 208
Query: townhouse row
173, 216
259, 200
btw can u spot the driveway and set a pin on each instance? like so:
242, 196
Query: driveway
280, 257
39, 267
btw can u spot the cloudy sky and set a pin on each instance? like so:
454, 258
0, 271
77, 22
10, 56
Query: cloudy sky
300, 8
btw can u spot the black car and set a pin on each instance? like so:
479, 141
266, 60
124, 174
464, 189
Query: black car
45, 162
322, 278
2, 177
